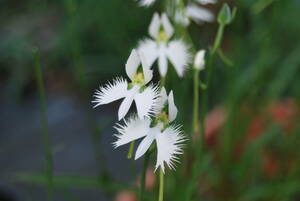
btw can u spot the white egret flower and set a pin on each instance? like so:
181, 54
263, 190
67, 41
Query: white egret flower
199, 62
169, 138
145, 97
161, 48
194, 12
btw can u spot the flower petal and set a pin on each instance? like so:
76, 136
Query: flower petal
146, 3
154, 26
199, 15
146, 102
132, 64
169, 144
126, 103
148, 48
133, 129
172, 107
145, 144
111, 92
162, 59
168, 28
179, 56
148, 74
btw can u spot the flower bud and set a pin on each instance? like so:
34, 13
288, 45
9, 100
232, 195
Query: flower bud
225, 16
199, 62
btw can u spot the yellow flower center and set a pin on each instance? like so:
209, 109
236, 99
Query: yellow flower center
139, 79
162, 36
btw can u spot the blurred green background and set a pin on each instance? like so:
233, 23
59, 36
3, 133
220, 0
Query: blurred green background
253, 129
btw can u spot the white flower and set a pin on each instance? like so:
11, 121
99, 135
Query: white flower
195, 13
169, 138
146, 3
161, 48
145, 97
199, 62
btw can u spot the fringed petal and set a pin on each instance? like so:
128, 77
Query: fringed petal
146, 101
111, 92
132, 129
178, 53
169, 145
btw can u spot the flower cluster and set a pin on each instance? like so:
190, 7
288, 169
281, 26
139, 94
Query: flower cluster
155, 112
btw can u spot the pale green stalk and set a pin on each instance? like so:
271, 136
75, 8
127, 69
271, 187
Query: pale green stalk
130, 150
45, 129
196, 103
161, 185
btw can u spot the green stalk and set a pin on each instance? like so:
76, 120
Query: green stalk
161, 185
45, 130
218, 38
196, 102
130, 151
143, 176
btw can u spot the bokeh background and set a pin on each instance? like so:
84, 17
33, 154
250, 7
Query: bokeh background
252, 127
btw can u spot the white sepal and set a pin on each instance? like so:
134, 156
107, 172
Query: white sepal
148, 74
172, 107
167, 26
132, 64
111, 92
154, 26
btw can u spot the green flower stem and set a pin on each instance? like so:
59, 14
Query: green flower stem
196, 102
161, 185
143, 176
45, 130
218, 38
130, 151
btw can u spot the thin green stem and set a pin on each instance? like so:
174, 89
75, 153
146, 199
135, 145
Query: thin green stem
161, 185
143, 176
196, 103
130, 150
45, 130
218, 38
